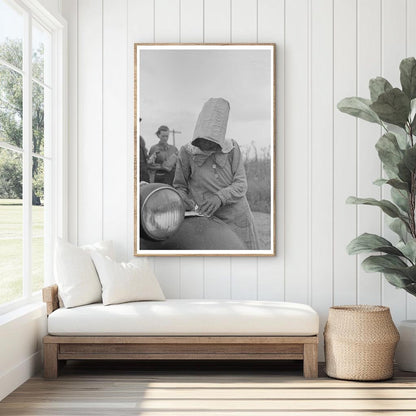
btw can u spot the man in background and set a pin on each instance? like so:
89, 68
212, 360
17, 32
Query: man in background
163, 157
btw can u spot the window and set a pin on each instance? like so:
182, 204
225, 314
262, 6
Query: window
31, 141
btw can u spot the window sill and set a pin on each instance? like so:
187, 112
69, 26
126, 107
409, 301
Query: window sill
34, 306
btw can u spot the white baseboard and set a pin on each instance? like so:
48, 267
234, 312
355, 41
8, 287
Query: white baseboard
11, 379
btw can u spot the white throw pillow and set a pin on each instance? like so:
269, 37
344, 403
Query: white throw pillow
126, 282
75, 273
104, 247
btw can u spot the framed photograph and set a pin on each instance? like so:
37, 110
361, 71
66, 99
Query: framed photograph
204, 150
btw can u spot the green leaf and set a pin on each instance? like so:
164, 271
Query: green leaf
408, 249
411, 289
380, 182
396, 271
381, 263
400, 198
412, 115
410, 158
378, 86
408, 77
395, 183
392, 107
398, 184
400, 228
359, 107
410, 272
397, 280
412, 109
389, 151
388, 207
366, 243
404, 173
401, 137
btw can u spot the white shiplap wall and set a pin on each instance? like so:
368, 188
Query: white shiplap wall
326, 50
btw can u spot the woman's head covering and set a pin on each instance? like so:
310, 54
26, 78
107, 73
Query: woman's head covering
212, 122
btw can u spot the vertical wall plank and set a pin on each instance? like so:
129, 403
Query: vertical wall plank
90, 128
271, 270
244, 270
70, 12
140, 30
217, 28
115, 52
217, 21
244, 21
296, 152
217, 274
321, 166
244, 278
369, 167
167, 21
411, 51
192, 31
393, 51
192, 277
167, 16
192, 21
345, 151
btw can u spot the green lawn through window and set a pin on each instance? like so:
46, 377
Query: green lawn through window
11, 249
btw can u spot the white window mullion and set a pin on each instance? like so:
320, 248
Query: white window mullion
27, 157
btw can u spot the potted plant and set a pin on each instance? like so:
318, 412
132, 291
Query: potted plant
394, 109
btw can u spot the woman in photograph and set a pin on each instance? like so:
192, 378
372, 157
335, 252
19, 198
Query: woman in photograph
162, 158
210, 174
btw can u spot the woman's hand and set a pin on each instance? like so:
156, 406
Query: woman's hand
210, 205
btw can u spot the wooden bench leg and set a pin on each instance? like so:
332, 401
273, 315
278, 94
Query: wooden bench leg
50, 360
310, 360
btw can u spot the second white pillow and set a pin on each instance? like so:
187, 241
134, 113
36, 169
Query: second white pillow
126, 282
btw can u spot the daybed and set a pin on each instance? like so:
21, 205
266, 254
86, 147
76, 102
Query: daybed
181, 329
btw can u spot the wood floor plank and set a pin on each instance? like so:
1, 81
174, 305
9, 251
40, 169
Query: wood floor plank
125, 390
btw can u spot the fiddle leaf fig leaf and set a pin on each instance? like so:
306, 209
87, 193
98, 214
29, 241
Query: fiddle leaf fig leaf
408, 249
398, 184
366, 243
400, 198
412, 109
402, 139
392, 107
400, 228
408, 77
389, 151
395, 270
381, 263
378, 86
404, 173
359, 107
397, 280
388, 207
380, 182
411, 289
410, 158
395, 183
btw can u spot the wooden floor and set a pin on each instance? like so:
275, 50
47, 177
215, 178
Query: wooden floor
191, 389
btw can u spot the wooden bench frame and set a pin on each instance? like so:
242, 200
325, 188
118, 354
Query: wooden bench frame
58, 349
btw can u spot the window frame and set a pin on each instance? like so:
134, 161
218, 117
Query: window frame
57, 226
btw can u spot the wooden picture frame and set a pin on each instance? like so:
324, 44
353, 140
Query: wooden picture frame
172, 83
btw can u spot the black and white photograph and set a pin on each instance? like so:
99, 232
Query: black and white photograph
205, 150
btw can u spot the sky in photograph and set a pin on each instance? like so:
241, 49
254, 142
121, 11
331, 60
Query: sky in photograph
174, 84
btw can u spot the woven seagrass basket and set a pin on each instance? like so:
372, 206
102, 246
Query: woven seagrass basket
360, 341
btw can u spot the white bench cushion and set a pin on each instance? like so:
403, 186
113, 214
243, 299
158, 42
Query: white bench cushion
187, 317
